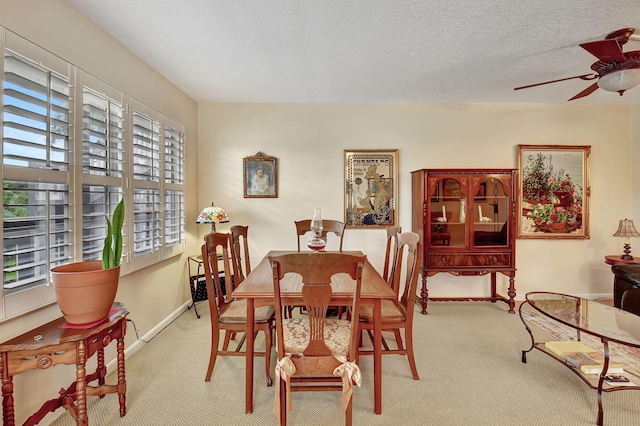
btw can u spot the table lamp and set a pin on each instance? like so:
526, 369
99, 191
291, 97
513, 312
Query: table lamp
211, 215
626, 230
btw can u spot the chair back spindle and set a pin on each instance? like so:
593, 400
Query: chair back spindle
391, 255
240, 246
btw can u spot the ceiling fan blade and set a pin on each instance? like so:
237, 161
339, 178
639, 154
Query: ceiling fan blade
605, 50
586, 92
582, 77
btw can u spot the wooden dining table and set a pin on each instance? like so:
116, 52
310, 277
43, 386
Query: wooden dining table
257, 289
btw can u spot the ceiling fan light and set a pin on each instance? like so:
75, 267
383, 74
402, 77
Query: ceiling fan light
620, 80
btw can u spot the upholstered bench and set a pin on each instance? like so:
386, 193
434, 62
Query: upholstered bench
626, 287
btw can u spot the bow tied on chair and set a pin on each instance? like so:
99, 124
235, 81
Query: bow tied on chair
350, 373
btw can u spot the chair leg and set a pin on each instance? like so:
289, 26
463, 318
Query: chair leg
215, 336
283, 403
348, 420
396, 332
408, 336
227, 337
267, 354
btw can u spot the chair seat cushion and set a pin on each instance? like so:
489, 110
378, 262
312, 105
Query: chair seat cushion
337, 333
392, 311
236, 311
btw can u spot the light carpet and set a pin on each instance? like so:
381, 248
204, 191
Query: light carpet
468, 356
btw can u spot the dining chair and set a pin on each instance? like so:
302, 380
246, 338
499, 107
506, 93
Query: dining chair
391, 253
328, 225
239, 236
316, 353
334, 226
398, 314
227, 313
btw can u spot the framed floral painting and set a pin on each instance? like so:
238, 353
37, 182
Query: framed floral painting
554, 190
371, 188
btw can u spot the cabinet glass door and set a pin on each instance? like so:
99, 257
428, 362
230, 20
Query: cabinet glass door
491, 214
448, 211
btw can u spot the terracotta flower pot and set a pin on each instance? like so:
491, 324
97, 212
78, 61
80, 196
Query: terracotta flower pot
85, 292
558, 227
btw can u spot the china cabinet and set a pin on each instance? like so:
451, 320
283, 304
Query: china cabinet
466, 220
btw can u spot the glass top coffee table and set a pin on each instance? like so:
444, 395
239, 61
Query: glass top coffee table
605, 323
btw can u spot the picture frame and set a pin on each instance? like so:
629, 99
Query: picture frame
260, 176
554, 191
371, 188
451, 189
482, 192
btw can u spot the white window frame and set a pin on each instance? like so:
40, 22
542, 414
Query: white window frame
33, 298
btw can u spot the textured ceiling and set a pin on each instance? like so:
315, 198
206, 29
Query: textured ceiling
369, 50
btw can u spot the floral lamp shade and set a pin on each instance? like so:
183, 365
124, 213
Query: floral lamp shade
211, 215
626, 230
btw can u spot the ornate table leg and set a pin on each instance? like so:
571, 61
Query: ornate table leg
81, 383
8, 414
101, 369
122, 382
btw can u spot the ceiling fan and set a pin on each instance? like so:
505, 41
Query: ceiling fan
616, 71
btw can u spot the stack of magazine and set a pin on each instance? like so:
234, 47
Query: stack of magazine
587, 360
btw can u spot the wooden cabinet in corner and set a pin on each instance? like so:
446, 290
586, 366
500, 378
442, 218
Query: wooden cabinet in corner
467, 223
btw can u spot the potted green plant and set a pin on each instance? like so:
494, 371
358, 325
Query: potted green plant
85, 291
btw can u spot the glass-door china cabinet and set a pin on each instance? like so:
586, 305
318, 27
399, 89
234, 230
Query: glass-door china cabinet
466, 220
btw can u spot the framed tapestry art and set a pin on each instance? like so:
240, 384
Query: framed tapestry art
371, 188
260, 176
554, 191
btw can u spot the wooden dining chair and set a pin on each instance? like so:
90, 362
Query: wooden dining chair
328, 225
227, 313
391, 253
316, 353
398, 314
241, 249
333, 226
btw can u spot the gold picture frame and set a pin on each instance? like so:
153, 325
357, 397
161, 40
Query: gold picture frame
371, 188
260, 176
554, 191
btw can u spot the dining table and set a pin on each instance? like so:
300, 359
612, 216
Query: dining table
257, 289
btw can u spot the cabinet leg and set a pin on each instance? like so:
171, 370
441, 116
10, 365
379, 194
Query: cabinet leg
424, 294
493, 288
512, 294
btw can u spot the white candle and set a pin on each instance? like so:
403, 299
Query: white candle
480, 211
444, 213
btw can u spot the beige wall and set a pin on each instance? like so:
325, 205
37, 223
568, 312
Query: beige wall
151, 294
309, 140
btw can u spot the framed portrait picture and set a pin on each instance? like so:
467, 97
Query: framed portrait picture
371, 188
260, 176
482, 192
553, 181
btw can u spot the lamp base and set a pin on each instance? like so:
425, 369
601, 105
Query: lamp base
627, 252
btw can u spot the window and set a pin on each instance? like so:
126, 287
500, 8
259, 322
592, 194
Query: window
174, 218
98, 202
72, 147
35, 232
